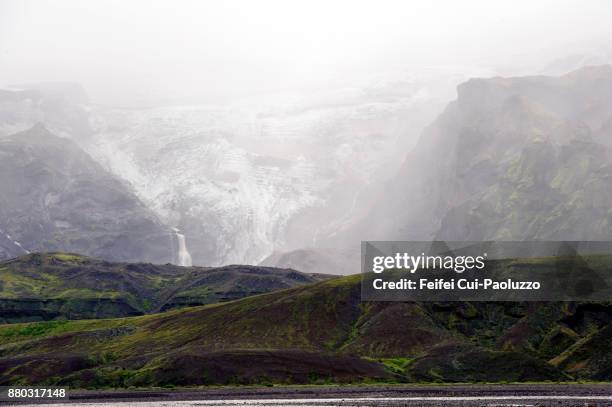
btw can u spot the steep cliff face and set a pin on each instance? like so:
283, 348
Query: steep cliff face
54, 197
510, 159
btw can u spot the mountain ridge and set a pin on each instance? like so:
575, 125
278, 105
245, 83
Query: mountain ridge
56, 286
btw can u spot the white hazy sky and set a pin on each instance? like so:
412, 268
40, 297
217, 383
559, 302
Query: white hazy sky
130, 51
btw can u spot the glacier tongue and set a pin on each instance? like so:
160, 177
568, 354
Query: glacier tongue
246, 180
242, 185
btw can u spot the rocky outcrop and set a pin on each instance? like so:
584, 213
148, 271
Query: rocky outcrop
54, 197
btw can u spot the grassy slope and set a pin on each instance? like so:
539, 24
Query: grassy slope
314, 333
60, 285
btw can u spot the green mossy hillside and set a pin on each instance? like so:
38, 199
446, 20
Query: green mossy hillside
316, 333
69, 286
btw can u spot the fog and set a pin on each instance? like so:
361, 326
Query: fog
143, 52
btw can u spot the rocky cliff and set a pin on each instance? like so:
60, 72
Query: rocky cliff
54, 197
510, 159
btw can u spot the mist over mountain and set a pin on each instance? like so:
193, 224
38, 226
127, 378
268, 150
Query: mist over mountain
244, 181
511, 159
62, 107
55, 197
269, 178
268, 174
600, 55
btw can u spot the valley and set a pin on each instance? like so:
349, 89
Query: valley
309, 203
98, 302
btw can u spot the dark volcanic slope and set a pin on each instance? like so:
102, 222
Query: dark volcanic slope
54, 197
317, 332
60, 286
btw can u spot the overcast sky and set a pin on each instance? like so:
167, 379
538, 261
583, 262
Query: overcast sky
127, 51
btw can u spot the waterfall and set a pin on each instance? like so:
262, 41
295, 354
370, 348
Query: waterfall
183, 256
